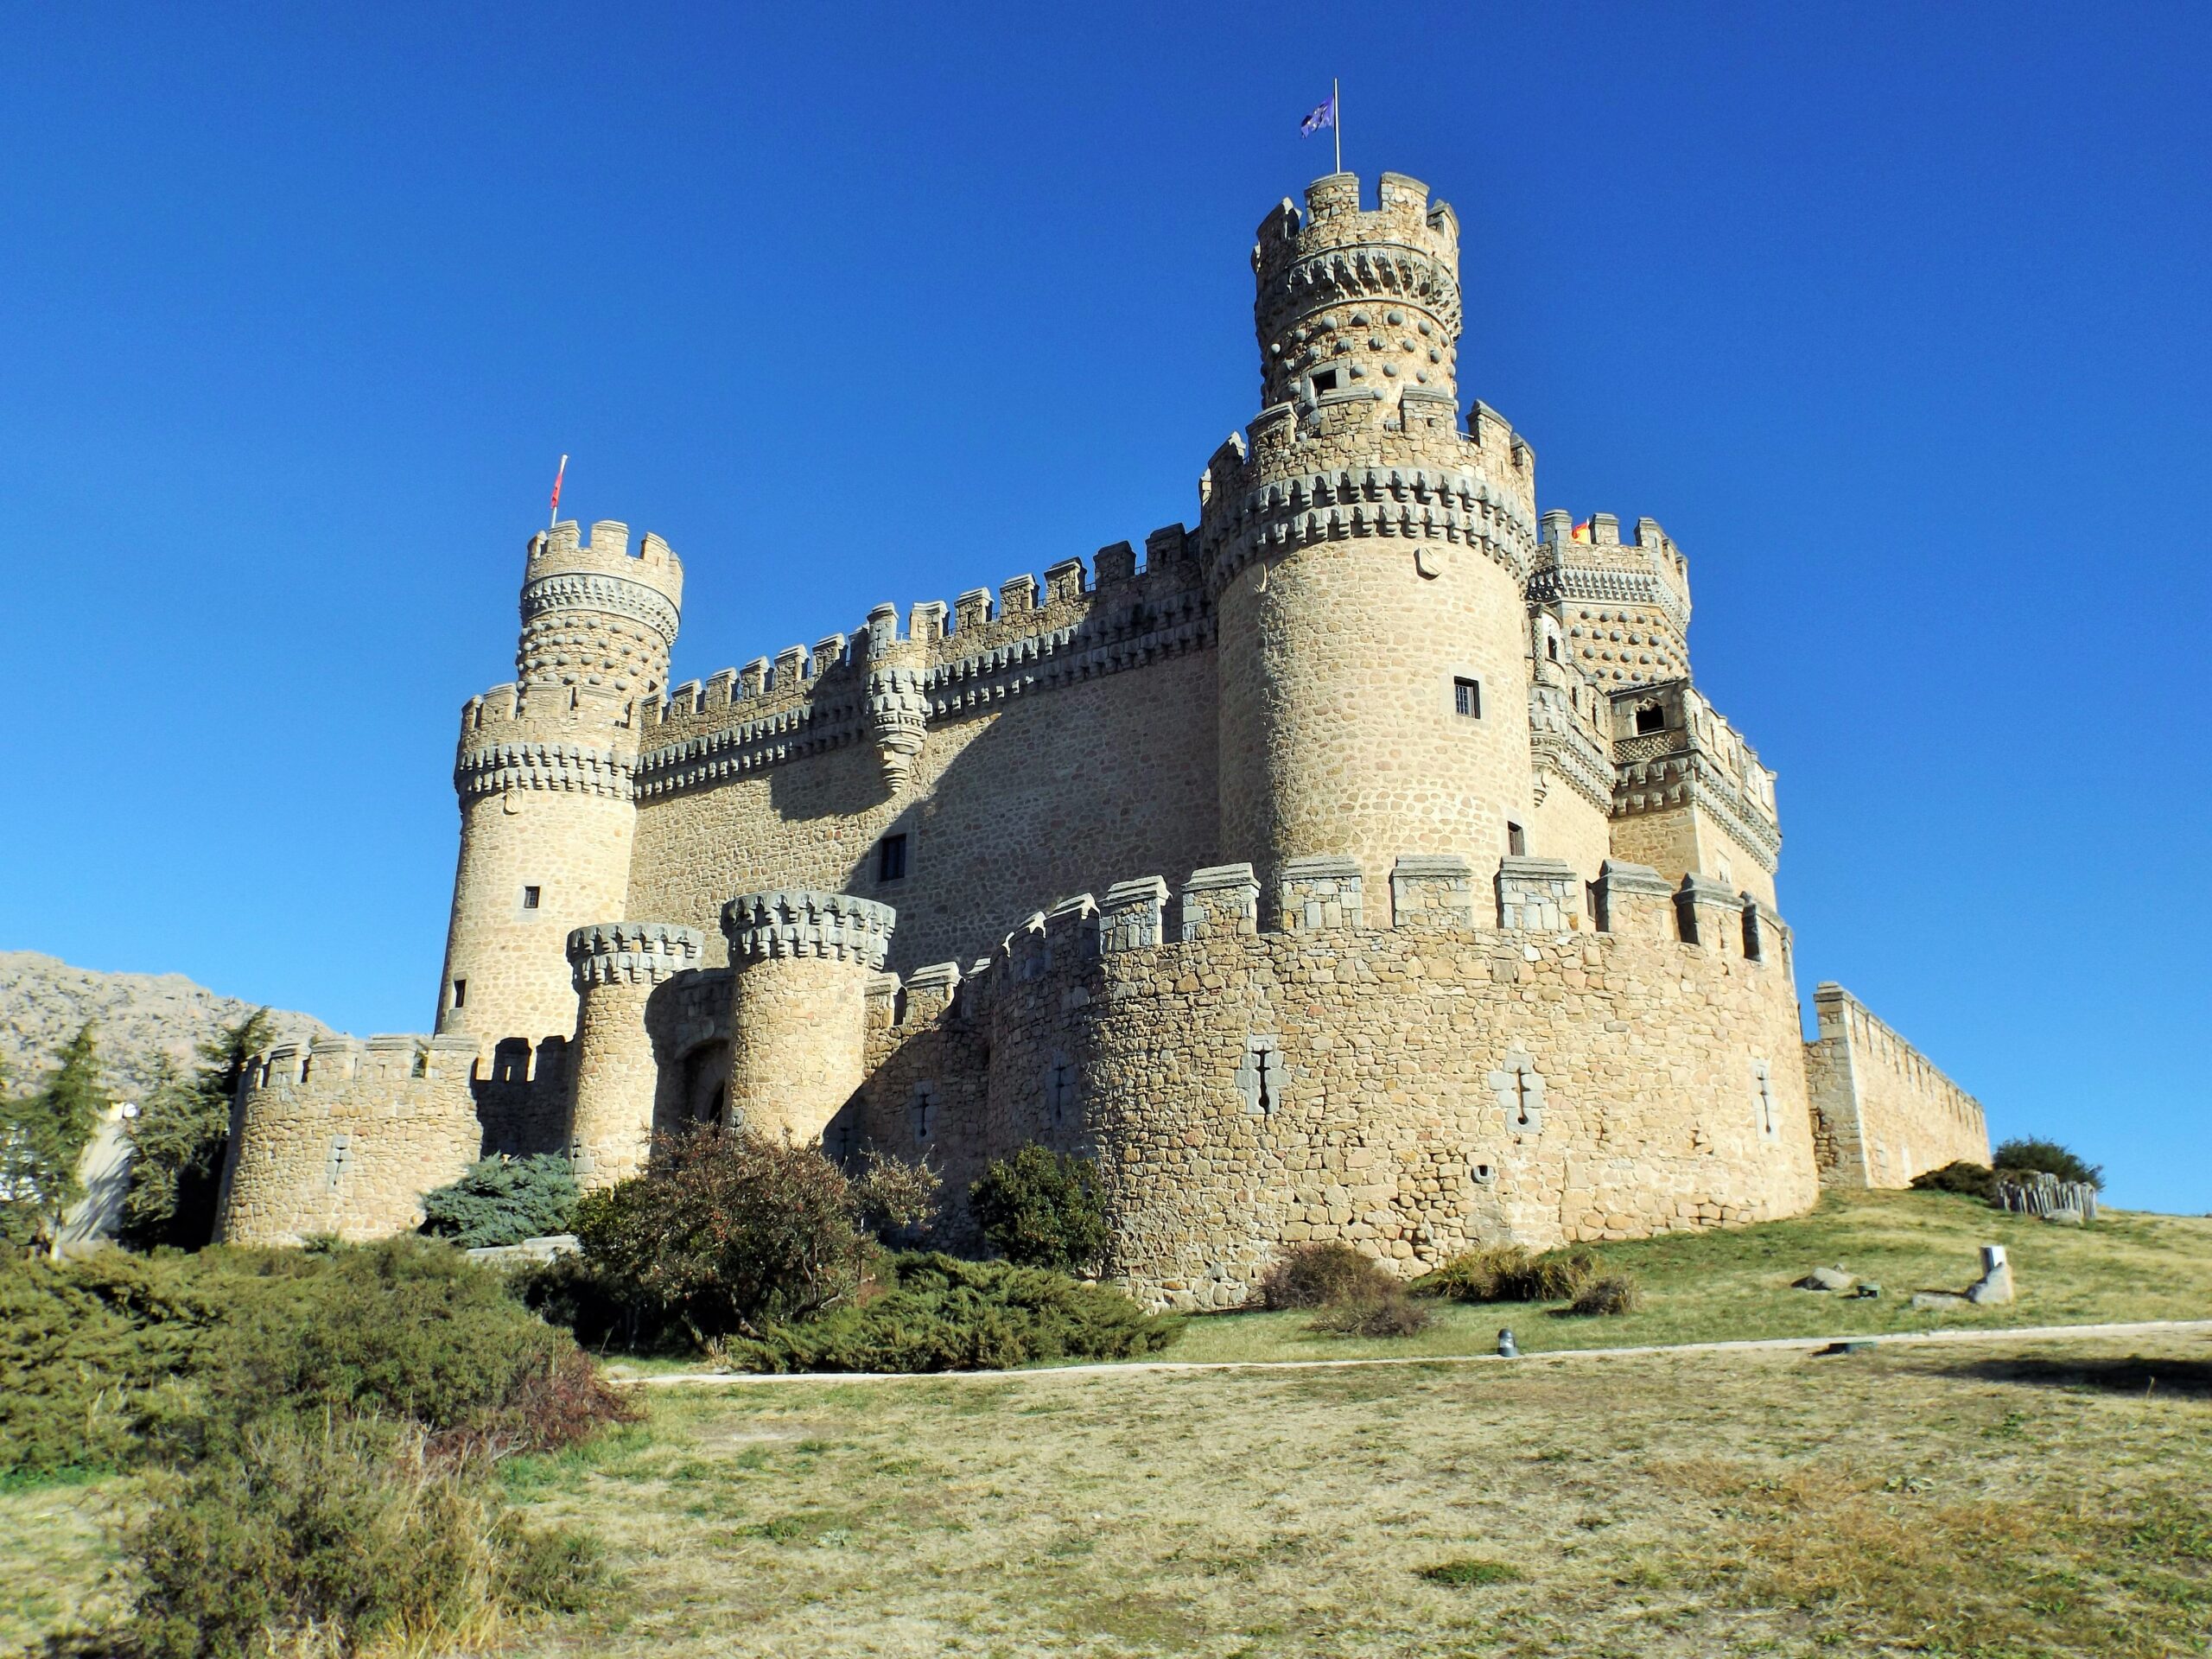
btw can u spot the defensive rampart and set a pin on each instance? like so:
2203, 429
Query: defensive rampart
344, 1137
1882, 1112
1380, 1068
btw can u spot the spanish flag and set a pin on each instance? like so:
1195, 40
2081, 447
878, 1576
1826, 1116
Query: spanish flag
1580, 532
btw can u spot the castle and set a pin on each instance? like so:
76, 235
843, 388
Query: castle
1364, 863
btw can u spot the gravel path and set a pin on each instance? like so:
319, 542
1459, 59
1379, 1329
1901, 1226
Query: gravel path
1123, 1368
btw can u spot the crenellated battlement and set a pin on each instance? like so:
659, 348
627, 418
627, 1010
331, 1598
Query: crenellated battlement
1080, 623
632, 953
1278, 514
797, 922
342, 1137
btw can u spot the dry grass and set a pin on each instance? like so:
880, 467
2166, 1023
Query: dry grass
53, 1558
1996, 1500
1991, 1502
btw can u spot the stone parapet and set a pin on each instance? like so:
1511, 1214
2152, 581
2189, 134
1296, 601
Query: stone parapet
1708, 912
640, 953
801, 922
1225, 898
1129, 915
1317, 894
1537, 895
1637, 900
1431, 890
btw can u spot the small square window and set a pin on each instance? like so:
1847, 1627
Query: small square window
1325, 380
460, 993
891, 859
529, 898
1467, 698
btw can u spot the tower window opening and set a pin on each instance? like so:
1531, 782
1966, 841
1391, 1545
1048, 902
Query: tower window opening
1467, 698
891, 859
529, 898
1551, 646
1516, 841
460, 993
1650, 718
1326, 380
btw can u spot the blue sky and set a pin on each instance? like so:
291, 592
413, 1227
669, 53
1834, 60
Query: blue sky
1895, 315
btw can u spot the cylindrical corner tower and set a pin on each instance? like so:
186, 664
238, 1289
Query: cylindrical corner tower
798, 1005
1367, 556
616, 966
544, 770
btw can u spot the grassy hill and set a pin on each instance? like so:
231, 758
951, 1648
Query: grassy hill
2004, 1498
1720, 1286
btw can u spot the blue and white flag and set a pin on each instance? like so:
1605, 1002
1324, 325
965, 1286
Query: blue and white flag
1326, 116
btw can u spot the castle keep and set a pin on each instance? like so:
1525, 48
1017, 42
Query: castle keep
1362, 863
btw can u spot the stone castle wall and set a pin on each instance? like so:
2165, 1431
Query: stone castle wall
1416, 1086
1069, 731
1882, 1112
344, 1137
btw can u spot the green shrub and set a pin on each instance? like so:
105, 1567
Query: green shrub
503, 1200
1327, 1275
89, 1352
1041, 1209
2046, 1158
1390, 1313
1615, 1294
728, 1233
331, 1537
1511, 1272
117, 1356
937, 1313
1974, 1180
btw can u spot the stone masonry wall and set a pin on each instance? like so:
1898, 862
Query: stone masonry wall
346, 1137
1416, 1090
1882, 1112
1071, 733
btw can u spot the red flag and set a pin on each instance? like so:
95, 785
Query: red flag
557, 476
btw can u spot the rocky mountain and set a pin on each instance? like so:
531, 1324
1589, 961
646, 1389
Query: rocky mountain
140, 1016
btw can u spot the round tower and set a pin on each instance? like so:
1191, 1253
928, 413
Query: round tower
616, 966
544, 770
1367, 556
798, 1005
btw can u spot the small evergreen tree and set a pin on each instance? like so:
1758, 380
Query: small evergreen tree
180, 1137
2030, 1156
504, 1200
41, 1135
1041, 1209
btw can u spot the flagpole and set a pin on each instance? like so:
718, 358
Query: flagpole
553, 515
1336, 126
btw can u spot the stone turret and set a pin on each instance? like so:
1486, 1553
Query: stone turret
1367, 556
896, 707
545, 770
616, 966
798, 1005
